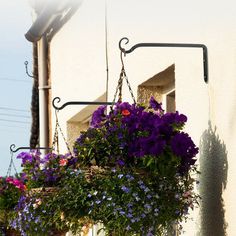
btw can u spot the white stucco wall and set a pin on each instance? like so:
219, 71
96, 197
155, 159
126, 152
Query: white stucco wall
78, 72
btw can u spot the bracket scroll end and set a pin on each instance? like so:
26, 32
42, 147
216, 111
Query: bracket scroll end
54, 101
124, 40
26, 69
12, 148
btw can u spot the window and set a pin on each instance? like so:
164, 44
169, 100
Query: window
168, 101
162, 87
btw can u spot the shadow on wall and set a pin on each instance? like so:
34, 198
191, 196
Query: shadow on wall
213, 180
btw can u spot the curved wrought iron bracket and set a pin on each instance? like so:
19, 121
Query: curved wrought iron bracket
57, 100
178, 45
27, 71
14, 149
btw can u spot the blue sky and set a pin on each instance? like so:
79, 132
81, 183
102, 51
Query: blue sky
15, 86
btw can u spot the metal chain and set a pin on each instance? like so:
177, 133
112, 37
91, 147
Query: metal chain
130, 89
119, 88
11, 165
55, 137
9, 168
120, 83
62, 134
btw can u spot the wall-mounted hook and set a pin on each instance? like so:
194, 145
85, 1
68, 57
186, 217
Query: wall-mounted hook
180, 45
26, 69
57, 100
13, 146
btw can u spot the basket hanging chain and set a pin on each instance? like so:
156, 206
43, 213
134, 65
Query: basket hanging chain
11, 165
130, 89
119, 88
55, 139
120, 83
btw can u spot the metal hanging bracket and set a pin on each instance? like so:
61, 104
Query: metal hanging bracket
27, 71
180, 45
57, 100
13, 148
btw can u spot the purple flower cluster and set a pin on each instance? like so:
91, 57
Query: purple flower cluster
183, 146
136, 205
23, 215
147, 161
45, 170
11, 188
29, 216
156, 106
132, 132
98, 116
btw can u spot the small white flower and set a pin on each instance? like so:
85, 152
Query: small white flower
62, 216
38, 201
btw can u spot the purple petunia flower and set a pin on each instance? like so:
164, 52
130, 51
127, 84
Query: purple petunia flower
120, 162
98, 116
174, 118
155, 105
122, 106
182, 145
26, 157
48, 157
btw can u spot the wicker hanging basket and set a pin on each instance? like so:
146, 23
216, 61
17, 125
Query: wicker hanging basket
44, 191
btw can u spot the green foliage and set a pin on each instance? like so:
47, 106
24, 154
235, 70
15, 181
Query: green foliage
11, 189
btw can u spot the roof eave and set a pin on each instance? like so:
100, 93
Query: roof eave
48, 17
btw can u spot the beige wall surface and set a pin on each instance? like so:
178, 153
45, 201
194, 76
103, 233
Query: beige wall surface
78, 72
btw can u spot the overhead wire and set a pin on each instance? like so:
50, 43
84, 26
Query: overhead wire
13, 109
11, 131
15, 80
15, 121
106, 51
14, 115
12, 126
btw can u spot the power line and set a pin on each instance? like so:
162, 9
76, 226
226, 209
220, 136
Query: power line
5, 114
13, 109
15, 121
13, 126
106, 51
16, 80
12, 131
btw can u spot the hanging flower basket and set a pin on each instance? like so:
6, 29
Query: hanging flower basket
11, 232
132, 171
35, 211
149, 163
43, 191
11, 188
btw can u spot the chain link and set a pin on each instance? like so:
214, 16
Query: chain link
11, 165
120, 83
130, 89
119, 88
56, 136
